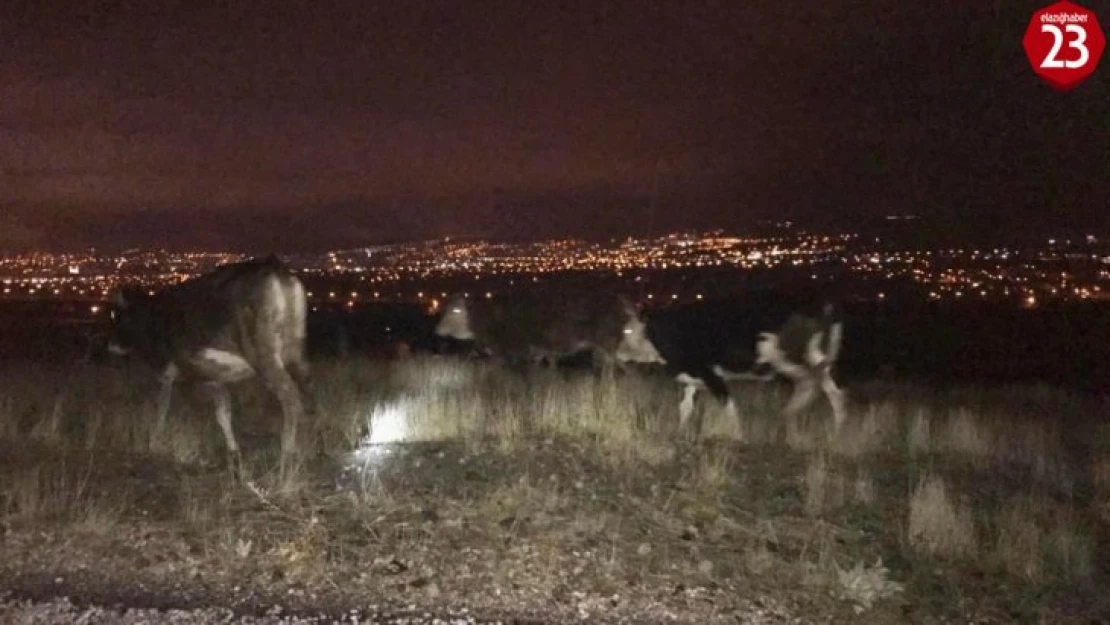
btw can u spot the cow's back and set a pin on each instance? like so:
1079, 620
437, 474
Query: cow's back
579, 318
725, 331
555, 321
254, 309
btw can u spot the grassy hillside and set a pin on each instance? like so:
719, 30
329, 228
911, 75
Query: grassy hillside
437, 483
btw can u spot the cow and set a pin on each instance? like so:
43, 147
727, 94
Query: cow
705, 343
533, 326
238, 321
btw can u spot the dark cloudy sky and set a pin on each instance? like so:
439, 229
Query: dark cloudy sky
312, 124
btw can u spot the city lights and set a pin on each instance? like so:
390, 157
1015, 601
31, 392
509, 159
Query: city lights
409, 271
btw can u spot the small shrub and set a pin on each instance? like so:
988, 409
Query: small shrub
865, 585
919, 438
824, 488
937, 524
1018, 545
965, 433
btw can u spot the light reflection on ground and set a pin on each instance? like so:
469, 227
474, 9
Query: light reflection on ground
389, 423
388, 426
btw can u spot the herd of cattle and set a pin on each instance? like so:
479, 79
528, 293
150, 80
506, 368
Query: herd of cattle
251, 318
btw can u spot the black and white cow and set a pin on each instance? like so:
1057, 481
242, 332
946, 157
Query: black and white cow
755, 337
238, 321
538, 326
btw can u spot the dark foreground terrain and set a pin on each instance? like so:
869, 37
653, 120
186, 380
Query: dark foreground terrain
442, 489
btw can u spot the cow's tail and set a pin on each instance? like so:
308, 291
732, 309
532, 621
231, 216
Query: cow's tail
832, 322
299, 303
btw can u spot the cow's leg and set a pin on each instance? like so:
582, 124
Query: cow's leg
515, 361
608, 361
298, 369
769, 351
686, 406
222, 401
805, 386
165, 394
690, 388
278, 380
719, 388
835, 395
721, 392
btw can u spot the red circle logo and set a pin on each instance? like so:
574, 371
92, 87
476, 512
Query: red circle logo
1064, 43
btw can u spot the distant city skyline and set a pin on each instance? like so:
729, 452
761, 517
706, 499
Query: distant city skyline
659, 269
273, 127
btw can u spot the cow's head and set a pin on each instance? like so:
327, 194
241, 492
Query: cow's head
128, 313
455, 322
635, 345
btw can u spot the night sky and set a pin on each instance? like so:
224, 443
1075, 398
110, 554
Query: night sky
308, 125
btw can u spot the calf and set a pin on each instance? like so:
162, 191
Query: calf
757, 337
541, 326
233, 323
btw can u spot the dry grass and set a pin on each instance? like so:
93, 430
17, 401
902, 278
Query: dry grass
56, 492
864, 489
919, 438
939, 524
628, 419
1018, 544
964, 434
714, 470
872, 433
1039, 541
825, 488
558, 463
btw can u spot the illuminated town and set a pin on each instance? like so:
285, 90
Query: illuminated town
673, 267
